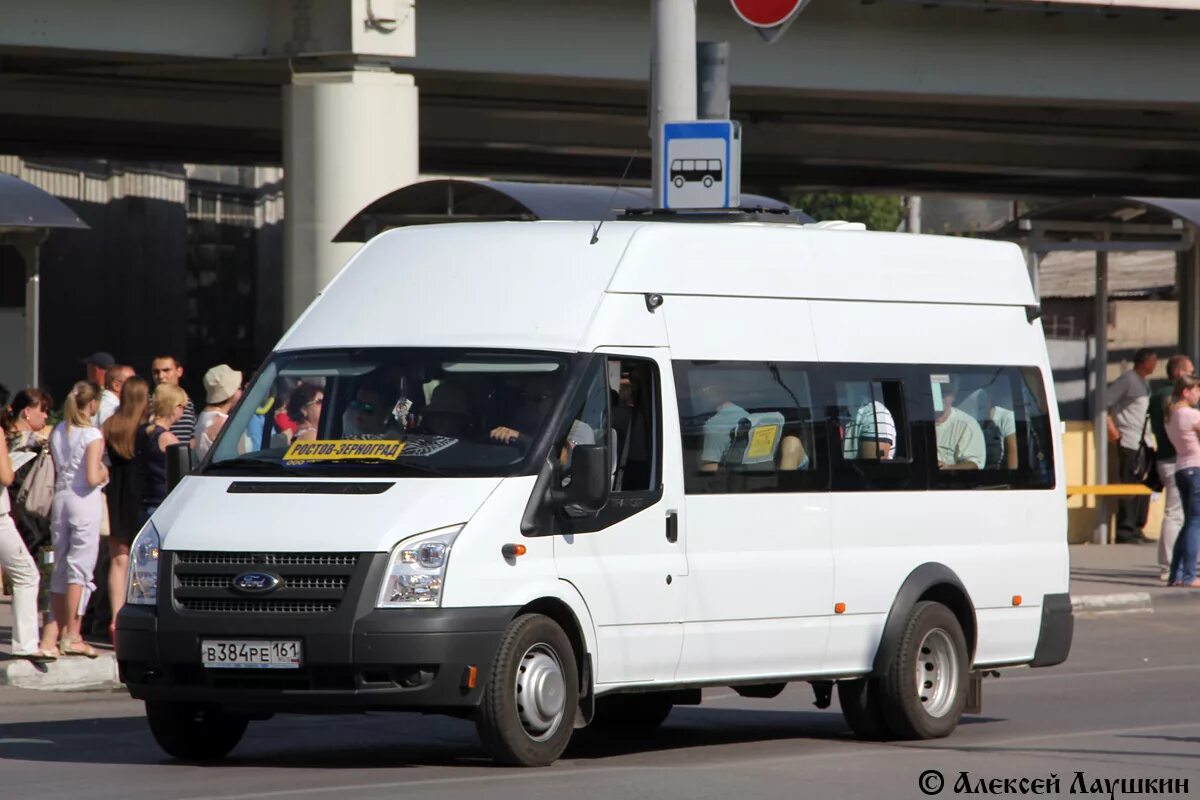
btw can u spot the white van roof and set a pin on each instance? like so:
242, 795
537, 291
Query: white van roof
538, 284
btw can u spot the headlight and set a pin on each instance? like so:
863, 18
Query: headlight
416, 570
142, 579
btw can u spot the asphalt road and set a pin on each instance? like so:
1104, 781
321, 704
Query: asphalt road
1124, 706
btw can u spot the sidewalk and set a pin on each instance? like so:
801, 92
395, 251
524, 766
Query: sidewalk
1121, 577
1104, 579
74, 673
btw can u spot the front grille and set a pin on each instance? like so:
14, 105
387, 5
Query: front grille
257, 607
309, 583
269, 559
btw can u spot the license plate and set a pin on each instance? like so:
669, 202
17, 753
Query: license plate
242, 654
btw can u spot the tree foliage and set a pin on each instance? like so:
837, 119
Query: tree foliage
879, 212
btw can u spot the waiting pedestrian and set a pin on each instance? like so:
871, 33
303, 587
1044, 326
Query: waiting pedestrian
153, 438
96, 367
78, 450
24, 424
124, 492
114, 378
1183, 428
22, 570
1128, 399
222, 388
1178, 365
168, 370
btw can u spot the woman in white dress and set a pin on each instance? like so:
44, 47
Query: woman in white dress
78, 450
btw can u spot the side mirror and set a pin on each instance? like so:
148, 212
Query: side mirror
591, 477
179, 463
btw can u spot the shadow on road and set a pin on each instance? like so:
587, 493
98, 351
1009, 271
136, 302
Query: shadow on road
389, 741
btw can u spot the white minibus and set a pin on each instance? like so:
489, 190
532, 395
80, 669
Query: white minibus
549, 480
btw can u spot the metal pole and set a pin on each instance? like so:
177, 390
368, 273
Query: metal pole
29, 247
914, 214
1189, 297
712, 65
1099, 405
672, 76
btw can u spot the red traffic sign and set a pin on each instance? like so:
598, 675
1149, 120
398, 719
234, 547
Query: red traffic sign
766, 13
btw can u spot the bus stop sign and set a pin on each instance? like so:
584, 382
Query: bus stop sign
702, 164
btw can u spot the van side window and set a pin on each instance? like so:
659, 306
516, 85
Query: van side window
636, 423
991, 428
868, 412
747, 427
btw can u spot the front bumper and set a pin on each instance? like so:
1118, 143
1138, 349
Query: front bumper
358, 658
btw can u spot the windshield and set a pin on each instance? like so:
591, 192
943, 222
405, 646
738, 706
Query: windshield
393, 411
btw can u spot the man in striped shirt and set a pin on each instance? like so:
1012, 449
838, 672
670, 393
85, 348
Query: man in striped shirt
167, 369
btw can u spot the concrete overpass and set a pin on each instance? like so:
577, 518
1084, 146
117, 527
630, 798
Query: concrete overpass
971, 96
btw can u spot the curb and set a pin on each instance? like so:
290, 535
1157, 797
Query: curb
1131, 601
72, 673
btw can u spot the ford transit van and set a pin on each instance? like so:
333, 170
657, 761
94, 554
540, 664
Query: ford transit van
548, 480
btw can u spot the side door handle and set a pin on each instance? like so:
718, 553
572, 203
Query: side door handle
672, 527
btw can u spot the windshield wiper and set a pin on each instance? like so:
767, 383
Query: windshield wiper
249, 463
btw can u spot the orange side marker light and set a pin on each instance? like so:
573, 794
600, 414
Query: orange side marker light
1016, 601
839, 608
512, 550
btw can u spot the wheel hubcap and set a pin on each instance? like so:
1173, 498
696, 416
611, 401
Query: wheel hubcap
937, 673
541, 691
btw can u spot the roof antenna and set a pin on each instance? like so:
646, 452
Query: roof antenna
620, 183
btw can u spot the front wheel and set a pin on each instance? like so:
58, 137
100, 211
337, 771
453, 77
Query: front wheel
924, 688
527, 712
192, 732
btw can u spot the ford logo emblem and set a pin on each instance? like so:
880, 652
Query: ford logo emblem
256, 582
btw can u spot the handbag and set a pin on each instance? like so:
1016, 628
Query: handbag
1145, 466
35, 500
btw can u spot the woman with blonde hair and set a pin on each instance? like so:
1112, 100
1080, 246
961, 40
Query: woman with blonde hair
153, 439
1182, 422
77, 447
124, 492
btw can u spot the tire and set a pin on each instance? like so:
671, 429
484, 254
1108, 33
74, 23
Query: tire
631, 713
192, 732
534, 660
862, 709
708, 181
678, 182
924, 688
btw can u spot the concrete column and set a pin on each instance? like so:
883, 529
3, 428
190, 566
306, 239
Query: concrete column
1099, 400
348, 139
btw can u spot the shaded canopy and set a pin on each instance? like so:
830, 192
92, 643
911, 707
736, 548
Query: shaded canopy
25, 206
1127, 221
457, 200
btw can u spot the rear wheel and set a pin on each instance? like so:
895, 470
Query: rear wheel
862, 709
193, 732
527, 712
925, 685
631, 713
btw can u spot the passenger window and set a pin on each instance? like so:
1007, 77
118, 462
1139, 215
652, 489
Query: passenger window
747, 427
991, 428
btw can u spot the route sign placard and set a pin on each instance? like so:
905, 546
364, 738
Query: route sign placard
702, 164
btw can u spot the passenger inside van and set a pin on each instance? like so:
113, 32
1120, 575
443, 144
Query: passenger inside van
722, 430
368, 413
871, 434
960, 442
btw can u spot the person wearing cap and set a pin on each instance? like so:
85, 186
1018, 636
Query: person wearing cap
96, 365
222, 388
